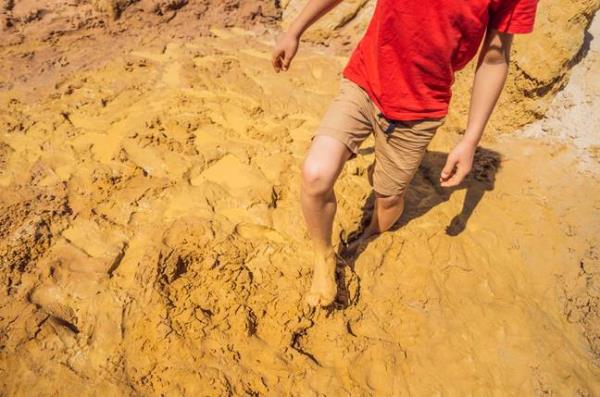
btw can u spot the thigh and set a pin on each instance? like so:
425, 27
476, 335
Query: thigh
398, 155
348, 118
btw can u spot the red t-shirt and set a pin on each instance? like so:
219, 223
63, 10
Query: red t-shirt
408, 55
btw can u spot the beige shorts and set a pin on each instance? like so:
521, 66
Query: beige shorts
352, 116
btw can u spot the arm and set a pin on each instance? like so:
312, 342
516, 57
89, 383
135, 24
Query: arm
287, 45
490, 76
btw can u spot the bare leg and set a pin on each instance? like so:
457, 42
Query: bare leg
387, 211
320, 169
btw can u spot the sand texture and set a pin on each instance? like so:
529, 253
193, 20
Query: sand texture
152, 243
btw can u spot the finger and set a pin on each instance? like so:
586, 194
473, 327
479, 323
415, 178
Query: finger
454, 181
274, 55
448, 168
457, 178
286, 62
276, 60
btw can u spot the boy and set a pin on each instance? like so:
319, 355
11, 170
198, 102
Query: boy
397, 85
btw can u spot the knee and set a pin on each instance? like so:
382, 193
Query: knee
391, 201
315, 180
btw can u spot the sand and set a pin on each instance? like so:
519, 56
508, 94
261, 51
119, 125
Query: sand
152, 243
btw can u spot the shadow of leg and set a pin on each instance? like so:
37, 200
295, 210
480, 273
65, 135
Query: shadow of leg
459, 222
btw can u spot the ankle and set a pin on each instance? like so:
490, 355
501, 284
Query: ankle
323, 250
325, 258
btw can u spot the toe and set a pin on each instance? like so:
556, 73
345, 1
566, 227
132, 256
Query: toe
329, 294
312, 299
327, 300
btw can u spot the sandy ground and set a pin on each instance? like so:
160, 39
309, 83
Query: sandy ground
152, 241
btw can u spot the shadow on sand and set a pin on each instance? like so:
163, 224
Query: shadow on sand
423, 194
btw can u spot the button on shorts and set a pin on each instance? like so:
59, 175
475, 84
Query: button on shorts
352, 116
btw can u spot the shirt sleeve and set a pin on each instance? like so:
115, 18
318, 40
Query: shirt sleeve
513, 16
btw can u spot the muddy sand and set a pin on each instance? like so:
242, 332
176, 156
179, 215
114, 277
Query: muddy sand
152, 243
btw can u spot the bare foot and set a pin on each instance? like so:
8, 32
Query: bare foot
323, 289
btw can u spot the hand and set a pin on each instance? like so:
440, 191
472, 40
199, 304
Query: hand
458, 164
284, 51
